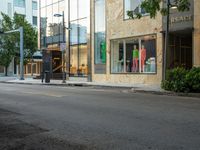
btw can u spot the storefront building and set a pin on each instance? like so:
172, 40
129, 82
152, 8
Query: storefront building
133, 48
182, 33
107, 46
65, 22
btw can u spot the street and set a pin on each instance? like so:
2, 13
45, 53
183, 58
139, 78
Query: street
36, 117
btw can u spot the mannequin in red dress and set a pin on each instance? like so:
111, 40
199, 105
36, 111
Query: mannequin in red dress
143, 57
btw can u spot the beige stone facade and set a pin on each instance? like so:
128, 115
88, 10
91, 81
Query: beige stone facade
117, 28
196, 34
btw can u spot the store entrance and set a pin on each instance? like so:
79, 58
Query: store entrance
180, 50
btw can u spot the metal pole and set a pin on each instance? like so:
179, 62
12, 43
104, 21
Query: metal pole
63, 52
68, 43
166, 41
21, 53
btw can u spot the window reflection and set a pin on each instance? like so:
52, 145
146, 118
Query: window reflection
100, 41
52, 31
139, 55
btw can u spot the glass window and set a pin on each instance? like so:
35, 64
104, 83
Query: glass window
84, 8
117, 64
100, 41
42, 3
48, 2
1, 69
43, 27
35, 20
19, 3
73, 10
132, 5
139, 55
34, 68
9, 10
34, 5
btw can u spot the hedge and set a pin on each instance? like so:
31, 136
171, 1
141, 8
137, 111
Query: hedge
182, 80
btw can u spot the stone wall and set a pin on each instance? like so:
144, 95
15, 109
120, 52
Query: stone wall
117, 27
196, 34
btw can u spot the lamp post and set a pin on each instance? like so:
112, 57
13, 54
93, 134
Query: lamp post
169, 6
64, 42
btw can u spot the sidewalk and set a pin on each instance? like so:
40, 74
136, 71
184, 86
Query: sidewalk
142, 88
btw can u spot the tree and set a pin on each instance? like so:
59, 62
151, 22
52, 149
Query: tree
9, 41
7, 48
154, 6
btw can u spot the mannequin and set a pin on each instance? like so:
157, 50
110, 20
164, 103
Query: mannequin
135, 57
143, 57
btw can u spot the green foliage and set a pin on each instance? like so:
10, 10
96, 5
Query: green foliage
8, 48
154, 6
193, 79
182, 80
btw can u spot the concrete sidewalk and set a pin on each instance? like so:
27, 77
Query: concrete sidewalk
144, 88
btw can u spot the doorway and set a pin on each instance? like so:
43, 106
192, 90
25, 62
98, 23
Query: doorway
180, 50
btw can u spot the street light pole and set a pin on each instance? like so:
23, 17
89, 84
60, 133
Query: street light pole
63, 49
21, 31
166, 41
63, 52
64, 41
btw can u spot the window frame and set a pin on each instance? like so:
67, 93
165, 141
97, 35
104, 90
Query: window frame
95, 62
139, 39
124, 18
34, 3
36, 20
17, 4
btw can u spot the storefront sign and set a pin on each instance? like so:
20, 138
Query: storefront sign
180, 19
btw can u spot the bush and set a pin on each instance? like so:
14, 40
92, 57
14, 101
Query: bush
193, 79
182, 80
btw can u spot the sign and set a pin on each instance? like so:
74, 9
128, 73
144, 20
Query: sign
62, 46
180, 19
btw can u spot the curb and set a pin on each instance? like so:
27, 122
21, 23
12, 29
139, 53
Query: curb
130, 89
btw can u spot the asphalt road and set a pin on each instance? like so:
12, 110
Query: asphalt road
34, 117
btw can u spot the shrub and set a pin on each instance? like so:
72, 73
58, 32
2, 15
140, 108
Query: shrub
176, 80
193, 79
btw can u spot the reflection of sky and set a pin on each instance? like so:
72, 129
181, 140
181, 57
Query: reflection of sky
99, 15
79, 16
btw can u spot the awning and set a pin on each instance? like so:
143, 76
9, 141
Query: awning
37, 55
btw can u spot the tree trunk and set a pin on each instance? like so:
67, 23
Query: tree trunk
6, 73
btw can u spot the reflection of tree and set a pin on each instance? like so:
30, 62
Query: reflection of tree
55, 29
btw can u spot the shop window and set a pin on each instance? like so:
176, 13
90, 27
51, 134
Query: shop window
34, 68
29, 69
134, 55
134, 6
1, 69
100, 42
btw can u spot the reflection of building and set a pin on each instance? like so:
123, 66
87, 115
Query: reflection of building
27, 8
51, 35
122, 50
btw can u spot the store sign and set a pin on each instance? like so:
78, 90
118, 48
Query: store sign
180, 19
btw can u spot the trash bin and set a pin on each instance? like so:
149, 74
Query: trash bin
47, 76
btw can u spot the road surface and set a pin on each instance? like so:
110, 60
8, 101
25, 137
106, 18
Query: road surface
35, 117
